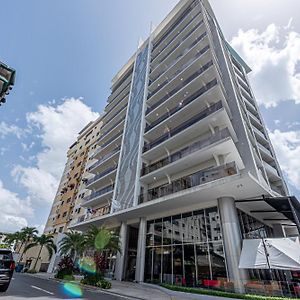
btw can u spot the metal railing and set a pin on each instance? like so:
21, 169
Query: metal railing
105, 157
100, 175
203, 114
224, 133
184, 66
99, 193
183, 103
108, 142
190, 181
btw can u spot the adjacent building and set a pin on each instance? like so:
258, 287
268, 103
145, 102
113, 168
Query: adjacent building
7, 80
184, 166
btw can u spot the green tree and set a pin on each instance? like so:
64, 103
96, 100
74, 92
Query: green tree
28, 233
18, 238
72, 244
42, 241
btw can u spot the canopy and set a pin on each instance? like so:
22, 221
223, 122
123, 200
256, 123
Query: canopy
283, 254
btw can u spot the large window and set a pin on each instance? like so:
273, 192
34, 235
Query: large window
186, 249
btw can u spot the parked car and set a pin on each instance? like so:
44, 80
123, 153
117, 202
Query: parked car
7, 266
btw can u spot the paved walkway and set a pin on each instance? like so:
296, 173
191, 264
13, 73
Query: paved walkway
144, 291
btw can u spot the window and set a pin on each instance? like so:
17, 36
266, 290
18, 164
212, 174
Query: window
61, 229
64, 214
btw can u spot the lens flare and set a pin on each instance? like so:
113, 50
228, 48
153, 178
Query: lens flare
102, 239
72, 290
87, 265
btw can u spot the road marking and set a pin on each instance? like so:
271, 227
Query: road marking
37, 288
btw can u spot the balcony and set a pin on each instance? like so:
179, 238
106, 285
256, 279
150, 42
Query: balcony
101, 196
110, 109
183, 104
111, 130
104, 159
198, 117
197, 35
113, 119
196, 179
187, 151
182, 71
175, 28
91, 183
271, 172
110, 142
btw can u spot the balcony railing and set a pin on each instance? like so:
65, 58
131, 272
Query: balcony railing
178, 21
108, 142
203, 114
196, 179
185, 66
100, 175
186, 51
106, 122
105, 157
182, 104
218, 136
176, 35
99, 193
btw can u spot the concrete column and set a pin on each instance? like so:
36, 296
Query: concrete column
278, 231
141, 249
120, 260
232, 239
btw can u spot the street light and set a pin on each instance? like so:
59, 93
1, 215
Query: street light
7, 80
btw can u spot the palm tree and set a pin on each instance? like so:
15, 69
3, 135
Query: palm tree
42, 241
17, 238
72, 244
28, 234
102, 239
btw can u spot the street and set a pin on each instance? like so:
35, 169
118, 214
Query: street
29, 287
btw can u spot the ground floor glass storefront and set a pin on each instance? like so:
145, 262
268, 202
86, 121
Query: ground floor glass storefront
186, 249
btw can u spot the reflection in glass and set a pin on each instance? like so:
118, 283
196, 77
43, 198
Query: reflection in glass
217, 258
157, 264
213, 224
178, 265
167, 231
158, 232
150, 232
202, 264
189, 265
177, 229
167, 254
148, 265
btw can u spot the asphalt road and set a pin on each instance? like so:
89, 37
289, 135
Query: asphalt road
29, 287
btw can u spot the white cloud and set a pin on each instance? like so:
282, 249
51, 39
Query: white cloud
273, 56
6, 129
287, 147
14, 211
58, 127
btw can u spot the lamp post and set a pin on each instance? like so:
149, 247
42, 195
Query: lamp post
7, 80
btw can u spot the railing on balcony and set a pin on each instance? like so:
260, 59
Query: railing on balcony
196, 179
171, 64
182, 104
218, 136
108, 142
108, 131
111, 108
198, 117
178, 21
112, 117
105, 157
176, 35
180, 86
184, 66
182, 40
99, 193
100, 175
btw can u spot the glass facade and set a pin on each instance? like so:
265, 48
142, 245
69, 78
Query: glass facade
186, 249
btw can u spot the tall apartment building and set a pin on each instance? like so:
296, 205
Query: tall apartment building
185, 168
64, 207
7, 80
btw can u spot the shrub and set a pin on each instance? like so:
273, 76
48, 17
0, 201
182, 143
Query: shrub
65, 269
32, 271
91, 279
103, 284
219, 293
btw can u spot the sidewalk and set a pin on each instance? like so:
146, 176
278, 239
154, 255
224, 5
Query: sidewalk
141, 291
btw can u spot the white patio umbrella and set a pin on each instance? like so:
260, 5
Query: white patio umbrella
282, 253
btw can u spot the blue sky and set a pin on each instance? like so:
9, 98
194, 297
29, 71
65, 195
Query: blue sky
66, 53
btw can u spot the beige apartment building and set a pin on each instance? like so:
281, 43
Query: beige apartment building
65, 206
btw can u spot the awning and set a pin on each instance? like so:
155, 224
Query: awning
282, 254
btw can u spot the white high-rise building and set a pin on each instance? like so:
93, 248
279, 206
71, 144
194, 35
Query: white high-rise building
184, 165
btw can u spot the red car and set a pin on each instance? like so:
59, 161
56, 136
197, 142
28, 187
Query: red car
7, 266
